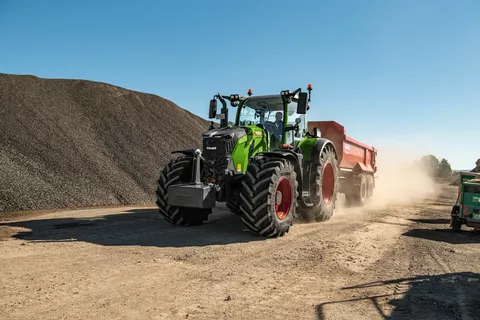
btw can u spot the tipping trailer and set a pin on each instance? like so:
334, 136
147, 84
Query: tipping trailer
356, 162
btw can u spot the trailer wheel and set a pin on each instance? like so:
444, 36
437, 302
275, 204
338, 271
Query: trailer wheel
358, 196
369, 179
175, 172
324, 190
268, 198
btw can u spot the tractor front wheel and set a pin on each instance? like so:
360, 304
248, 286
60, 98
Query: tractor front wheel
268, 198
178, 171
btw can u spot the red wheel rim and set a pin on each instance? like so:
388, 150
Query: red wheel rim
328, 184
283, 198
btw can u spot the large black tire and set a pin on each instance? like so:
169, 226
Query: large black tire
234, 206
455, 224
266, 182
358, 196
324, 188
178, 171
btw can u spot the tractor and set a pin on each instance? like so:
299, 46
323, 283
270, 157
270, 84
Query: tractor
266, 167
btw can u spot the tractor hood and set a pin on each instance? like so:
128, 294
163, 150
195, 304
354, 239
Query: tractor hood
219, 143
233, 132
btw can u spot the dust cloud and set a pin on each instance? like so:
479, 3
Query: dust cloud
399, 180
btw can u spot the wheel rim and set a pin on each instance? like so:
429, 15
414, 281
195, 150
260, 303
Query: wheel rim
328, 184
283, 198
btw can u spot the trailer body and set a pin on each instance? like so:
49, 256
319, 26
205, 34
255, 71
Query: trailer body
357, 161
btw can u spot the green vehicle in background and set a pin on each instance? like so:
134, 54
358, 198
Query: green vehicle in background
466, 210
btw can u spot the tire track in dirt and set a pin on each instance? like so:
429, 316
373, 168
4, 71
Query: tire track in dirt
460, 296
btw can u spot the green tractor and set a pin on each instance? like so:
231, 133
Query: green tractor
266, 167
467, 208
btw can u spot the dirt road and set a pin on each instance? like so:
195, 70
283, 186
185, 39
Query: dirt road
398, 262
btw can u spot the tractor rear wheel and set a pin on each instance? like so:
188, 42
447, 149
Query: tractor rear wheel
178, 171
268, 198
324, 188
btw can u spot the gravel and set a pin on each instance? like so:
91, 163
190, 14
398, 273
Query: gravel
76, 143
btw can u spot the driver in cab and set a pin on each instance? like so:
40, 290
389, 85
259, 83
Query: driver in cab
278, 125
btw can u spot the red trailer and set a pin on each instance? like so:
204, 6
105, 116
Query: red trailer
356, 162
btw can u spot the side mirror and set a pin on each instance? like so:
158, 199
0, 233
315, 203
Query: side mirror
302, 103
212, 112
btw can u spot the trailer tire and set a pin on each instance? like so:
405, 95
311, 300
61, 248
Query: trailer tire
267, 181
324, 188
369, 179
175, 172
358, 197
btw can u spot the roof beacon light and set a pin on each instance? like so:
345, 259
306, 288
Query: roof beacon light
309, 89
249, 92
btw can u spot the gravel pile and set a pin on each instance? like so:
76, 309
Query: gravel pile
76, 143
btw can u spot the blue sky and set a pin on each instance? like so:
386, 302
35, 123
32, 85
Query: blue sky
392, 72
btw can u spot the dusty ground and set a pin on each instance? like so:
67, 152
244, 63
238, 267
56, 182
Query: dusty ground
399, 262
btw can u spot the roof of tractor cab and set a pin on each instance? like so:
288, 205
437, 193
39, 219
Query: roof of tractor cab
270, 102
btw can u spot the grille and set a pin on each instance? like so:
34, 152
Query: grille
217, 147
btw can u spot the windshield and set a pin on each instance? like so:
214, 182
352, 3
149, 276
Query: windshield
267, 113
258, 111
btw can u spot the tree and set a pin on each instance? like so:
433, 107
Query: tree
436, 169
430, 164
444, 169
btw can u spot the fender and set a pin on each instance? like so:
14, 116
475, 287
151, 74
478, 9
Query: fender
295, 157
187, 152
318, 148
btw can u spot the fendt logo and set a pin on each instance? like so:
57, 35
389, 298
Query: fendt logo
211, 148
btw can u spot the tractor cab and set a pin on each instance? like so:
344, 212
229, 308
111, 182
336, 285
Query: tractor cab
281, 120
282, 116
467, 209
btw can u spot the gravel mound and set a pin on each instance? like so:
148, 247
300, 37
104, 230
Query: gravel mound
76, 143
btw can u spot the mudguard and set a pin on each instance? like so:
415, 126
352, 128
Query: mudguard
317, 149
187, 152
